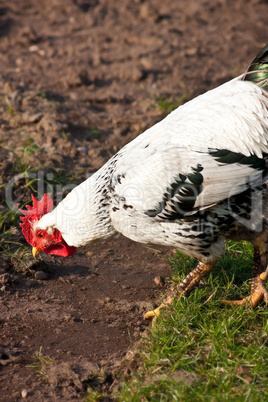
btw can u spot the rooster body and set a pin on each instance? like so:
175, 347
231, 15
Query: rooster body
127, 195
191, 181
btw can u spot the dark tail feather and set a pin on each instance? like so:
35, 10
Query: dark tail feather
258, 69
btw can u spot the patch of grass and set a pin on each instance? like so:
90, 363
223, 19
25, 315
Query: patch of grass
23, 161
64, 134
94, 396
9, 107
201, 349
41, 94
167, 105
10, 217
15, 192
14, 252
21, 166
95, 133
95, 385
41, 361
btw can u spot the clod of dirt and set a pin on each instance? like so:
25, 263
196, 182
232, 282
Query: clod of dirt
148, 12
48, 123
28, 117
159, 281
41, 275
6, 281
67, 374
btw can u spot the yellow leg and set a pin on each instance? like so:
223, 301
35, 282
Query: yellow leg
184, 288
258, 291
259, 276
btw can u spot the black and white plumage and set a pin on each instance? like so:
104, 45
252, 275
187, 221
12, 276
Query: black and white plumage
191, 181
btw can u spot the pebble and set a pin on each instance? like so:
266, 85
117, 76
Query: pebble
191, 52
24, 393
83, 150
41, 275
19, 61
147, 12
159, 281
125, 286
31, 118
33, 48
107, 300
36, 49
5, 278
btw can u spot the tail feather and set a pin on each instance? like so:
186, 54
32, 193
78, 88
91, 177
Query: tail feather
258, 69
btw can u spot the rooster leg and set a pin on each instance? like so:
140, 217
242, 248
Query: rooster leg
184, 288
260, 274
193, 278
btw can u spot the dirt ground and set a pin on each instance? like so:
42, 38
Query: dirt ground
78, 80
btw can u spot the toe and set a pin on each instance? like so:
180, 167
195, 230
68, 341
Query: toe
252, 300
153, 313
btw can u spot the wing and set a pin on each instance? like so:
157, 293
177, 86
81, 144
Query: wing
204, 152
214, 177
199, 180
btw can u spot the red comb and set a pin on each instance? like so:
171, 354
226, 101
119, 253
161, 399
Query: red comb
34, 213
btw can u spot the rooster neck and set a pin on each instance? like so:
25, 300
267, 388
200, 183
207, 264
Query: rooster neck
83, 216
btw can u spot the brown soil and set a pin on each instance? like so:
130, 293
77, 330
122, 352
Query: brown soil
79, 79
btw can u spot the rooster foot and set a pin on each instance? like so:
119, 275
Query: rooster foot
258, 292
156, 313
184, 288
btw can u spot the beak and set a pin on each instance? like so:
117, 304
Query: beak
36, 251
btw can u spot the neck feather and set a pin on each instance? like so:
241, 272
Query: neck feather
84, 215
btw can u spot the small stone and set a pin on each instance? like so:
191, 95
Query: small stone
248, 379
191, 52
31, 117
67, 317
5, 278
147, 12
19, 61
40, 275
24, 393
240, 370
83, 150
159, 281
33, 48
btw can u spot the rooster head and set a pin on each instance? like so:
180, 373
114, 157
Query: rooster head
50, 241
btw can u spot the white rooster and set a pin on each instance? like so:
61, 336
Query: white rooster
191, 181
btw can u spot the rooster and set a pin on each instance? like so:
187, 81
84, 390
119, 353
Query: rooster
191, 181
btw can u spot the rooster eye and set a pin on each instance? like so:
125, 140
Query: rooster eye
40, 234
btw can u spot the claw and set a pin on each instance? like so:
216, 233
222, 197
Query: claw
156, 313
257, 296
264, 275
153, 313
252, 300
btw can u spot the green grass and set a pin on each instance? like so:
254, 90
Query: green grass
25, 180
95, 133
201, 349
167, 105
40, 364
